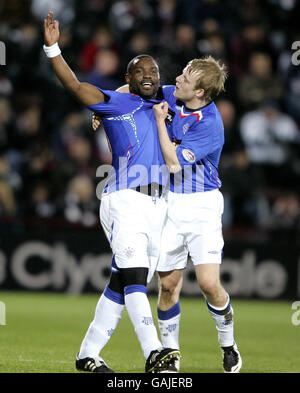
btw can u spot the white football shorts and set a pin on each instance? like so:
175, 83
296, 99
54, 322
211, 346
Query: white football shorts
193, 227
133, 223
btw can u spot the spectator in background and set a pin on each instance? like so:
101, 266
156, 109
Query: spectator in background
285, 213
28, 123
102, 39
39, 166
245, 204
127, 16
284, 16
233, 140
290, 74
65, 10
269, 135
251, 10
6, 87
72, 126
9, 174
165, 20
80, 152
196, 12
24, 134
8, 205
252, 39
173, 58
213, 44
139, 43
260, 84
41, 203
5, 122
80, 205
78, 160
23, 49
105, 71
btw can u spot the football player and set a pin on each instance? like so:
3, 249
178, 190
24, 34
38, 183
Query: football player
136, 204
195, 202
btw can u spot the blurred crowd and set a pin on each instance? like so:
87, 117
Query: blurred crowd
48, 151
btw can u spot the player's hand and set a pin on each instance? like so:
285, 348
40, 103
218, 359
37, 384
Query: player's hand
161, 110
96, 121
51, 30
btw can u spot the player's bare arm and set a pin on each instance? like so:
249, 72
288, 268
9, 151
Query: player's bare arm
167, 147
86, 93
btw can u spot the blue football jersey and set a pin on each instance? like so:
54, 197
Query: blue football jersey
199, 135
130, 126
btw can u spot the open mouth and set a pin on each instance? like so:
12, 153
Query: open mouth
147, 85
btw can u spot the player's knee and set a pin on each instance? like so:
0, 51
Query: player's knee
169, 286
210, 287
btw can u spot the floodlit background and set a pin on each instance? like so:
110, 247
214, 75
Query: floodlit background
50, 236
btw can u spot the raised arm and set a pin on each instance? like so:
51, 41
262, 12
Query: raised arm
86, 93
167, 147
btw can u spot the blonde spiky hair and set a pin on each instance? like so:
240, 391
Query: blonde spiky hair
211, 76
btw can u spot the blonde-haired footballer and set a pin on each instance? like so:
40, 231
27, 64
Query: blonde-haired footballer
195, 203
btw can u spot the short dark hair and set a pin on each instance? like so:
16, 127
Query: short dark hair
133, 61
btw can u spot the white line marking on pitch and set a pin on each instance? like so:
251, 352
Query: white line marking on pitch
20, 359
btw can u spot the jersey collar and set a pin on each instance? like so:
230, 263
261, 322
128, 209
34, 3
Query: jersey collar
184, 111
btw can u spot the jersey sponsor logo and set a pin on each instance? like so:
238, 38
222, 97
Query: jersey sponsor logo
185, 128
188, 155
128, 117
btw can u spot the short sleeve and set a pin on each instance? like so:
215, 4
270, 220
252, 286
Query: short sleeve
113, 104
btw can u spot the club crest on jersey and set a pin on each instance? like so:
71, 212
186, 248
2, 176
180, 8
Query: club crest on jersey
188, 155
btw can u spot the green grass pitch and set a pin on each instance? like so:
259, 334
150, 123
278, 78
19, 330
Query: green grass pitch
43, 333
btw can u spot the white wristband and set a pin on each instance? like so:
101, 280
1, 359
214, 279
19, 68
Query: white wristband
52, 51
